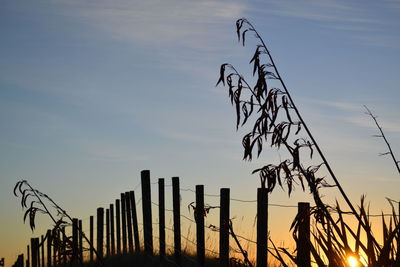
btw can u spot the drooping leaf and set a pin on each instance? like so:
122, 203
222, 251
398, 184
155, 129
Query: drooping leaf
286, 107
15, 188
296, 157
298, 128
246, 142
222, 74
245, 113
259, 146
244, 36
239, 24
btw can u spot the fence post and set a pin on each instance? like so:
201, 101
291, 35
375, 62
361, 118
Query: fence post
123, 215
100, 232
224, 227
54, 236
161, 215
34, 253
118, 226
129, 220
19, 262
37, 242
28, 263
108, 232
262, 227
64, 252
80, 232
177, 218
134, 221
112, 230
75, 241
49, 239
146, 206
37, 251
303, 241
42, 249
91, 249
199, 217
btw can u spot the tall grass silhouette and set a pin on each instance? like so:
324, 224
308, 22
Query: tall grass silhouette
277, 122
36, 202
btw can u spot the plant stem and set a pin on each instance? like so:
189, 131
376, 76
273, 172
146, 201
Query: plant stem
65, 214
309, 133
384, 138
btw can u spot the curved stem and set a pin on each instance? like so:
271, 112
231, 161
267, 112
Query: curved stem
384, 138
332, 174
65, 214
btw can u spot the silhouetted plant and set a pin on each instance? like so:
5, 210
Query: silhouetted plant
382, 135
278, 123
35, 202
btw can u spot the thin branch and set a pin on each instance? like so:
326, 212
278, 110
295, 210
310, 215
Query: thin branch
382, 135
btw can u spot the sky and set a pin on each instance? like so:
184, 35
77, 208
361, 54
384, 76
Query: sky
93, 92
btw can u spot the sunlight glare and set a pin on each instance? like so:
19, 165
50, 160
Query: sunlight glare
352, 261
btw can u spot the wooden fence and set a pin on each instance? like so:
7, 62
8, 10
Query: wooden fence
117, 230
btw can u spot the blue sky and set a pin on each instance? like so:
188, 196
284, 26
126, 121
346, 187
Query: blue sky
92, 92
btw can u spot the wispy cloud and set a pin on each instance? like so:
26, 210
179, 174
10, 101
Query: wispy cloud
387, 126
392, 3
328, 11
365, 23
162, 23
101, 151
355, 114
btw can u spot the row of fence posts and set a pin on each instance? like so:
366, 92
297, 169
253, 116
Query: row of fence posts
125, 235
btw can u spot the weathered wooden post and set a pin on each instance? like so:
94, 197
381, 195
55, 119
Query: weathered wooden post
134, 221
108, 232
91, 238
54, 235
75, 241
123, 217
18, 263
28, 262
177, 218
34, 254
224, 227
161, 215
303, 241
49, 240
262, 227
129, 221
112, 230
100, 232
118, 226
199, 217
63, 248
146, 206
80, 250
37, 242
42, 249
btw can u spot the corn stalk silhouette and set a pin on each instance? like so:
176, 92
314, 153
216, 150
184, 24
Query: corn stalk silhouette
276, 120
34, 202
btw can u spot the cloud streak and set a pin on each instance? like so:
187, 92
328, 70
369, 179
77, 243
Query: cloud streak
355, 114
368, 24
157, 23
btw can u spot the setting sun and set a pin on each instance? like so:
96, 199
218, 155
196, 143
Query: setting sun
352, 261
